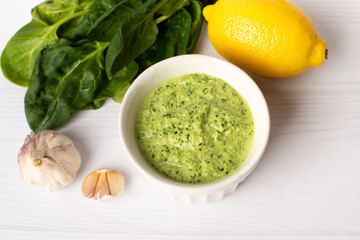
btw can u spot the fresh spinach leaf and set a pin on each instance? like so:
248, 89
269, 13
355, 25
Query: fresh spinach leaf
52, 11
195, 10
134, 37
78, 28
67, 77
105, 27
127, 46
116, 87
119, 95
121, 80
172, 40
20, 53
171, 7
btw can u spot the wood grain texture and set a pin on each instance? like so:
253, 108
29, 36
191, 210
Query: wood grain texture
307, 185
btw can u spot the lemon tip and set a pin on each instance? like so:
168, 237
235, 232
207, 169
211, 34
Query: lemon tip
207, 12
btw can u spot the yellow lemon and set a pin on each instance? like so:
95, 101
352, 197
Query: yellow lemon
271, 38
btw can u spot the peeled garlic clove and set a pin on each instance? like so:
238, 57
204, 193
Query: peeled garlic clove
116, 181
89, 185
102, 187
49, 160
102, 184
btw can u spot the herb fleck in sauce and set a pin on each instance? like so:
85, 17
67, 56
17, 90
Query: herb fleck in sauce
195, 129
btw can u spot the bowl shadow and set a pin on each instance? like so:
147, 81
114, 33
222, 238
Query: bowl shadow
282, 108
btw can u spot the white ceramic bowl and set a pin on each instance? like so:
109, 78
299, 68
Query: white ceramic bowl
171, 68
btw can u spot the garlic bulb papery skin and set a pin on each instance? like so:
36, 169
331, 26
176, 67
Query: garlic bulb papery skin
49, 160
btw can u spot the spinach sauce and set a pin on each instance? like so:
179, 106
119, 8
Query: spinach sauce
195, 129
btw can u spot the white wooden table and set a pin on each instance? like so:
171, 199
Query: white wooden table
307, 185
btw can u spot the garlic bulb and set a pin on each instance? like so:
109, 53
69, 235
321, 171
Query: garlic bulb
49, 160
102, 184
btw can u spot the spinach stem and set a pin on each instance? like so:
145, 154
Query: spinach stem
71, 16
161, 19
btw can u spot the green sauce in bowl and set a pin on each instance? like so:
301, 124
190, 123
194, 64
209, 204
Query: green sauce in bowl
195, 128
